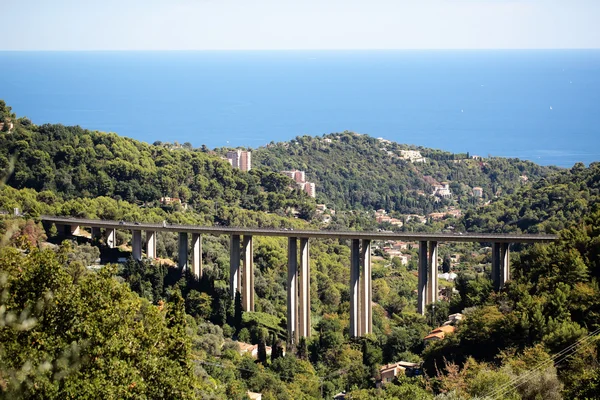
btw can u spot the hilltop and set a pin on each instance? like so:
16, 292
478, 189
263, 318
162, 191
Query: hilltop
353, 171
73, 162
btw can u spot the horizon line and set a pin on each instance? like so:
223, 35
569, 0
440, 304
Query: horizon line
291, 50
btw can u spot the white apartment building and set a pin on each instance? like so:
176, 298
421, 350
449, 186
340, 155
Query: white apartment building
297, 176
240, 159
412, 155
309, 188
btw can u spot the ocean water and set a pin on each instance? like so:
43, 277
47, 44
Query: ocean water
538, 105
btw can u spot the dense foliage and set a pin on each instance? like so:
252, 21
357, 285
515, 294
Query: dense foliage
147, 330
361, 172
68, 333
549, 205
6, 115
552, 300
34, 203
73, 163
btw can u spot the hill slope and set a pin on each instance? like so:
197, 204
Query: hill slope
354, 171
549, 205
80, 163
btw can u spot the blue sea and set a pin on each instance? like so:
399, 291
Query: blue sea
538, 105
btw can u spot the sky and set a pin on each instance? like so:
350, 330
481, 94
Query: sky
298, 24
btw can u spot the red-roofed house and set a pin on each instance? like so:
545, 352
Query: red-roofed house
439, 333
389, 371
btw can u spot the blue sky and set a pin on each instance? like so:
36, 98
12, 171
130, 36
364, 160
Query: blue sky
298, 24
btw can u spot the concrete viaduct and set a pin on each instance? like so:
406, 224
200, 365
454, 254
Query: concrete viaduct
298, 280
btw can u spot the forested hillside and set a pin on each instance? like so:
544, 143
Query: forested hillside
66, 333
507, 337
560, 201
550, 306
74, 162
361, 172
71, 328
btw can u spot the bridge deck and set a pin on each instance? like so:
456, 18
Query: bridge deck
305, 233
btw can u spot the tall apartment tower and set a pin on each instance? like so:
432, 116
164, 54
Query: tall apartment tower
300, 178
245, 160
240, 159
297, 176
309, 188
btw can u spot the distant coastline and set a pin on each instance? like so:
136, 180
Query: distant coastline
539, 105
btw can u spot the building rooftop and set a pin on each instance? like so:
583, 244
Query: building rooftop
388, 367
440, 333
445, 329
403, 365
435, 336
244, 347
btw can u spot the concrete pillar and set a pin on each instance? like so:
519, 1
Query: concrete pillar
151, 244
304, 301
65, 230
234, 265
366, 318
505, 262
111, 238
136, 244
96, 233
183, 251
48, 226
432, 278
248, 275
197, 255
500, 264
354, 288
292, 287
496, 265
422, 289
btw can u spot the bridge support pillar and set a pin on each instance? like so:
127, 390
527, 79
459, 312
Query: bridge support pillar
183, 251
151, 244
197, 255
354, 288
136, 244
96, 233
292, 290
68, 230
248, 274
366, 316
234, 265
423, 275
60, 229
304, 300
63, 230
496, 265
500, 264
111, 238
505, 264
432, 273
48, 226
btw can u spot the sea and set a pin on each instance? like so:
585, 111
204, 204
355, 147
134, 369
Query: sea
539, 105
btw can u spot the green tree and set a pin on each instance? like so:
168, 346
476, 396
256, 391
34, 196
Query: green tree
88, 338
446, 263
238, 311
